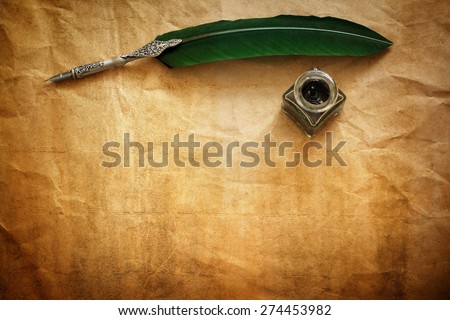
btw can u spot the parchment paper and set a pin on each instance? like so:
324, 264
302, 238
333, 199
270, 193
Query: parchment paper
71, 228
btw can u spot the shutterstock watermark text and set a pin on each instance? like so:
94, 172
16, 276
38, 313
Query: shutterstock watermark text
187, 151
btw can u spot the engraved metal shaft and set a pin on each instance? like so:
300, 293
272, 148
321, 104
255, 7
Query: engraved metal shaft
88, 69
152, 49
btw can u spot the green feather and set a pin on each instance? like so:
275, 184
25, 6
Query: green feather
281, 35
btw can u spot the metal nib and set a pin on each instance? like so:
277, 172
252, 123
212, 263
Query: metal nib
61, 77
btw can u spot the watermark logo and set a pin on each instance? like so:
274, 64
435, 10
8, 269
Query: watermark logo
213, 154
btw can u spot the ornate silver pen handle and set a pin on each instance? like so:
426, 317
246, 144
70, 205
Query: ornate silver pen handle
152, 49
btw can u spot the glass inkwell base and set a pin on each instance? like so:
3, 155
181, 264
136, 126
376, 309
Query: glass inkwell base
313, 100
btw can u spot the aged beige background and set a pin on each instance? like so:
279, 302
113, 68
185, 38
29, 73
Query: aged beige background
72, 229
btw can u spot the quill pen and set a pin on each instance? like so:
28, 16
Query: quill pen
247, 38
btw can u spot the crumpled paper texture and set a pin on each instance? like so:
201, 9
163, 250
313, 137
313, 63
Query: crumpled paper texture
378, 228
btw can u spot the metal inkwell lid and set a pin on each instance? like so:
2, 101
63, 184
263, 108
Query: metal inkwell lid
316, 91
